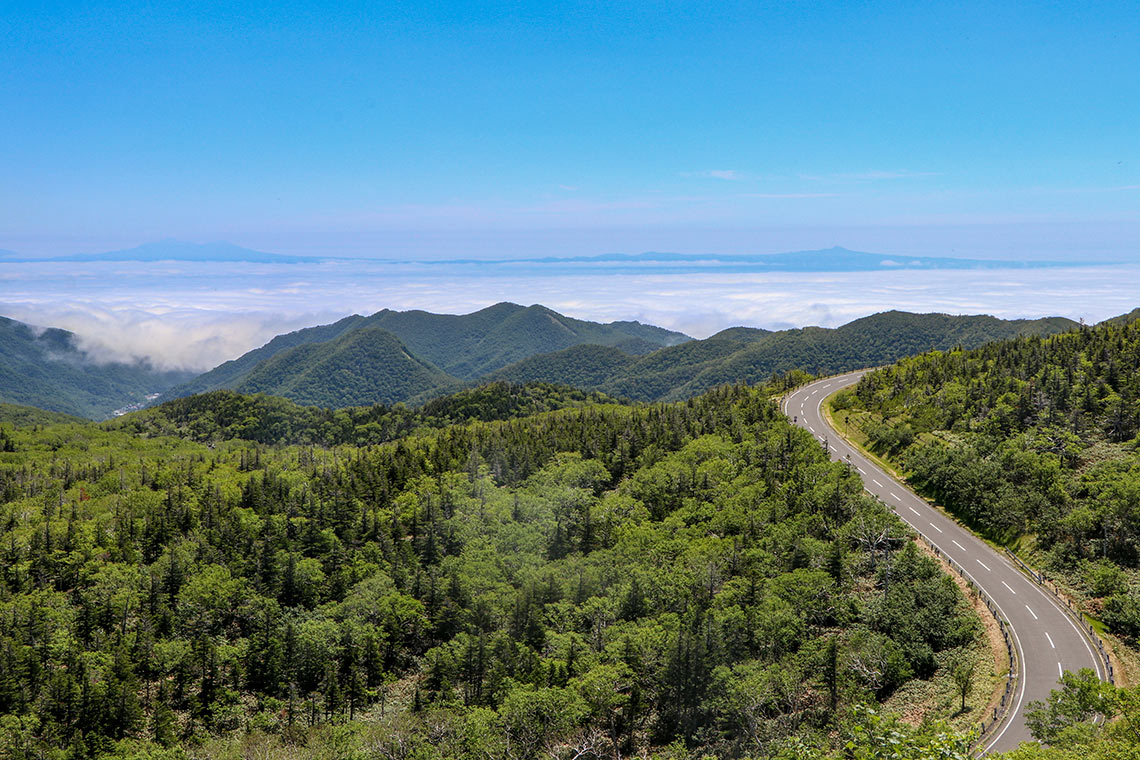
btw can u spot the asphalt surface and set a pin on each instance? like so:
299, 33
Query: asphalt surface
1046, 640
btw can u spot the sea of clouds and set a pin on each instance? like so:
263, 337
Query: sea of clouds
188, 315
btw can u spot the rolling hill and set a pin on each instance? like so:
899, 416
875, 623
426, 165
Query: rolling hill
465, 347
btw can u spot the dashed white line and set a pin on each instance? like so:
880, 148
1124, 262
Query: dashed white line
1031, 612
1009, 587
1060, 671
895, 496
811, 428
861, 470
880, 485
912, 509
958, 544
932, 525
1050, 640
987, 567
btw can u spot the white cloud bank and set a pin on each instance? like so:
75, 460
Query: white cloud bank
195, 317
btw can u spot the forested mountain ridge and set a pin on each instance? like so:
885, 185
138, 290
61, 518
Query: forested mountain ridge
752, 356
464, 346
47, 368
414, 356
695, 575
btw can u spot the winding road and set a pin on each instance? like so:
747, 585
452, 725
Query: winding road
1047, 642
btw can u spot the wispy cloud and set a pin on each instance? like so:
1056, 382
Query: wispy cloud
731, 175
789, 195
868, 176
181, 338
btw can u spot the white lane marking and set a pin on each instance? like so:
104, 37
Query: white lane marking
1083, 636
895, 496
912, 509
811, 428
1031, 612
880, 485
987, 567
1050, 640
958, 544
1060, 671
1009, 587
932, 525
860, 469
1021, 691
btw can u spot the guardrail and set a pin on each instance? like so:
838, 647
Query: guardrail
1001, 712
1067, 606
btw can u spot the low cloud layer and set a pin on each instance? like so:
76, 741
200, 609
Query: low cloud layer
190, 316
184, 338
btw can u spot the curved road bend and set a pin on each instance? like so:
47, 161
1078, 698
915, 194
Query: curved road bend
1045, 638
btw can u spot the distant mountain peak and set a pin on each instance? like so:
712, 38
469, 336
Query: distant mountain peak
170, 249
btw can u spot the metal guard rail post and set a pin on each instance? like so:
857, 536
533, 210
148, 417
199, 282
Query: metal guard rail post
1001, 711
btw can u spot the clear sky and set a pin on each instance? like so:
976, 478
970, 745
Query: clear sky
443, 129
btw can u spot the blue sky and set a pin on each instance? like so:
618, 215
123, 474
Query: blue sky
448, 129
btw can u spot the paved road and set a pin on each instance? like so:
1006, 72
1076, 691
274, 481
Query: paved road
1045, 638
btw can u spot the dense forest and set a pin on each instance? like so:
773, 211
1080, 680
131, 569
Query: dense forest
225, 415
595, 581
1033, 442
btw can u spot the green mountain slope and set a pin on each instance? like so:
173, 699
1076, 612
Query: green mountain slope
873, 340
47, 369
586, 366
363, 366
471, 345
749, 355
229, 374
1123, 319
465, 346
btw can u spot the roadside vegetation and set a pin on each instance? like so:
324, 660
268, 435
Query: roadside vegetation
1033, 442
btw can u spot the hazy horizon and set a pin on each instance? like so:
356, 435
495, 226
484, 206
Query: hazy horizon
192, 315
